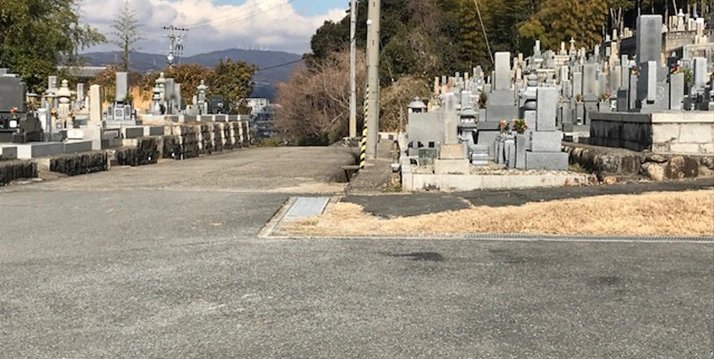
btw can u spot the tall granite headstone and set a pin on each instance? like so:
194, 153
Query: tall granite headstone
122, 86
649, 39
502, 75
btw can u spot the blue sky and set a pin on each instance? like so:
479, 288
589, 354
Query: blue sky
285, 25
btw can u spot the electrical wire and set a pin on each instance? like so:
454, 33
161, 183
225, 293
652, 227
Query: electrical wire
480, 19
221, 18
280, 65
232, 20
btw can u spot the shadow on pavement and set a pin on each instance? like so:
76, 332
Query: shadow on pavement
408, 205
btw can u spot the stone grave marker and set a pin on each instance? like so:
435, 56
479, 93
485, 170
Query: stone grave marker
676, 91
547, 104
649, 39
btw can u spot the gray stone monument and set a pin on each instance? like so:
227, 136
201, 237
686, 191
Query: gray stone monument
95, 103
649, 39
676, 91
700, 73
502, 74
122, 87
647, 84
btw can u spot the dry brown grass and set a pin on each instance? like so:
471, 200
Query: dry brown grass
652, 214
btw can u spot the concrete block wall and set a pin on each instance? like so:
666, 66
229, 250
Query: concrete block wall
631, 131
689, 134
683, 132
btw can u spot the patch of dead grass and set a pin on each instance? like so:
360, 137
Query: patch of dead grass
652, 214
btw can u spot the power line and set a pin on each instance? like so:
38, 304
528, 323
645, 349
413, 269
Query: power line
220, 18
232, 20
281, 65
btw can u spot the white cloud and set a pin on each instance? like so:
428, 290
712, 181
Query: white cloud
255, 24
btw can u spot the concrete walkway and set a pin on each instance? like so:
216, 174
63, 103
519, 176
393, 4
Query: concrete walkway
376, 177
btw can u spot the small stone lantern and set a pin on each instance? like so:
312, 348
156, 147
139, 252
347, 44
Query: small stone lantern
416, 106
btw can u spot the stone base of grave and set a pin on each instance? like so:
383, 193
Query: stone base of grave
445, 167
8, 153
451, 152
414, 181
552, 161
550, 141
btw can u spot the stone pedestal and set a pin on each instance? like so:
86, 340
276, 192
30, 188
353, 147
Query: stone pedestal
452, 152
445, 167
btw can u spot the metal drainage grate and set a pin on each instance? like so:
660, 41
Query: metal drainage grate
305, 207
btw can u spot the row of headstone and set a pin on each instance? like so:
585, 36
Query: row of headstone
571, 84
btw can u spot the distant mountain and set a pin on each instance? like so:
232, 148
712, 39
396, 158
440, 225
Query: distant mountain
266, 80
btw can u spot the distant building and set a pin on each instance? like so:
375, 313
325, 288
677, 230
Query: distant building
257, 105
262, 123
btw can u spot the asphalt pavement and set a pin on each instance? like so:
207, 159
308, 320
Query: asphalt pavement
164, 262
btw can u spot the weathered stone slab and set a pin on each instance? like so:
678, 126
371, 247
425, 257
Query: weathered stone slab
554, 161
522, 142
8, 153
133, 132
547, 106
452, 152
443, 167
676, 91
541, 141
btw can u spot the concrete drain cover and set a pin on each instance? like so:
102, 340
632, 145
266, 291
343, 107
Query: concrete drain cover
305, 207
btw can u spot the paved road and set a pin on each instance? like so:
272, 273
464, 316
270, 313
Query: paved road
163, 262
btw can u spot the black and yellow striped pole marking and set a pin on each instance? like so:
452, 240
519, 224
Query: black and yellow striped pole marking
363, 149
363, 142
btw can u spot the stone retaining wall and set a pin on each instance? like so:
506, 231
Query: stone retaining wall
14, 170
79, 164
206, 138
619, 162
146, 152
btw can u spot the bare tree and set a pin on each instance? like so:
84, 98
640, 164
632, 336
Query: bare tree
126, 34
316, 101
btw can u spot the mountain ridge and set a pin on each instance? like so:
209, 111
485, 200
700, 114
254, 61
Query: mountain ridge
278, 65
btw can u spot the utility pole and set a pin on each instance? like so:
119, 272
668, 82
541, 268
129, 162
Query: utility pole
175, 44
373, 76
353, 69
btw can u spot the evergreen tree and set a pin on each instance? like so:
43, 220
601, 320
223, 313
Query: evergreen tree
561, 20
474, 50
126, 33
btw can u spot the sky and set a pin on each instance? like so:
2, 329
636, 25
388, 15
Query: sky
281, 25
